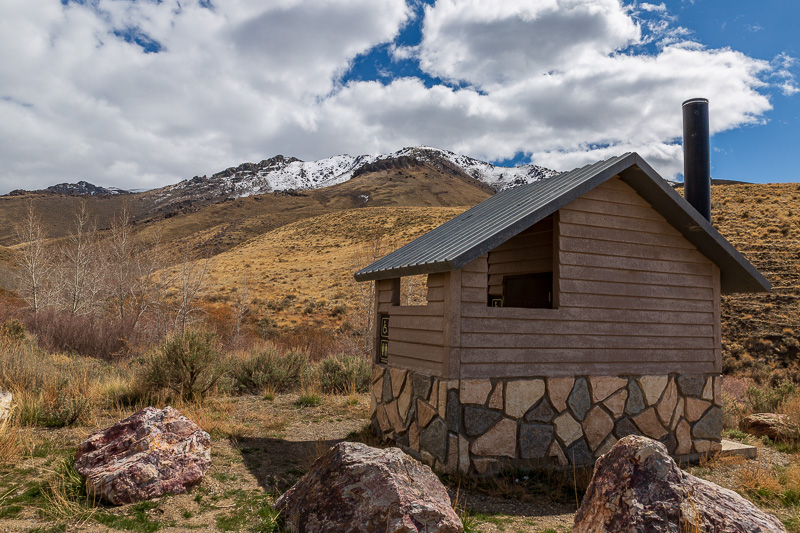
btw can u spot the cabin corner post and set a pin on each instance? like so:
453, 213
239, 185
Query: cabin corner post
452, 325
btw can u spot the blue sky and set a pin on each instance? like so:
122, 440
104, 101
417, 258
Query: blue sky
143, 93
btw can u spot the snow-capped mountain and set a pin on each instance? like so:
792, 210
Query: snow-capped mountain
284, 174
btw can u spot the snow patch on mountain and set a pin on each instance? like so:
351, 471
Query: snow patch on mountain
285, 174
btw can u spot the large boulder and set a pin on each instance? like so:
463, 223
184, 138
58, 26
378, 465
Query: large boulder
638, 487
775, 426
356, 488
151, 453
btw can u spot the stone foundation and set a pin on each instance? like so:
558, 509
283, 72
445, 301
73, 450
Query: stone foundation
476, 426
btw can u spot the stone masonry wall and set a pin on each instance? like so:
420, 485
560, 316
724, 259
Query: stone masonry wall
477, 426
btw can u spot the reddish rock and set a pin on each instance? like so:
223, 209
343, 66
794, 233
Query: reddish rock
775, 426
638, 487
151, 453
356, 488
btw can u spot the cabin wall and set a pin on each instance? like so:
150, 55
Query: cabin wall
633, 297
416, 333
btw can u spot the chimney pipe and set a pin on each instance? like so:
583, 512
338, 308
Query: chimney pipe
697, 156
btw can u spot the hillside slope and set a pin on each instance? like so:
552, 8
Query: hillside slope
300, 273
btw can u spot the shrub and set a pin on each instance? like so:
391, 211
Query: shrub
189, 365
767, 400
63, 332
345, 373
12, 330
271, 370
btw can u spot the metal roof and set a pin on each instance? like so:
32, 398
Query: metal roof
492, 222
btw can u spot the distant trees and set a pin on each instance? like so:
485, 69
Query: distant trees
107, 281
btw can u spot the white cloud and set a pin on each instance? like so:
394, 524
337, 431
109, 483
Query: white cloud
568, 81
660, 8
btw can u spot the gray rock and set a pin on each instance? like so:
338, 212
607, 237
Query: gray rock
710, 426
579, 399
453, 410
534, 440
670, 442
635, 403
579, 453
691, 385
387, 387
625, 427
360, 489
434, 439
477, 420
650, 493
421, 386
541, 412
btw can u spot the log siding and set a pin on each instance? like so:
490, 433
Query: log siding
634, 296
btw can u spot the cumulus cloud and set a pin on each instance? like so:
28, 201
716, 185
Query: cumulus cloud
143, 93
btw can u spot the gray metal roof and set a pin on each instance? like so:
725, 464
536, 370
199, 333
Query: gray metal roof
492, 222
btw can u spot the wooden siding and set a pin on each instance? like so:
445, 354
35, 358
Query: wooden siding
529, 252
416, 333
633, 297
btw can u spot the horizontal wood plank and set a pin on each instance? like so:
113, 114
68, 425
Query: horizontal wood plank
617, 184
432, 309
436, 280
522, 267
429, 323
616, 196
578, 328
478, 265
631, 236
484, 314
474, 295
581, 355
415, 336
436, 294
636, 277
416, 351
642, 251
627, 289
606, 208
530, 253
662, 227
433, 368
474, 280
583, 342
557, 369
604, 301
630, 264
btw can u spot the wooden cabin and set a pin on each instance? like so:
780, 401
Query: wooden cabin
561, 316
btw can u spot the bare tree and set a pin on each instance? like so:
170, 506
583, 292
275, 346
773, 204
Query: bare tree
131, 269
80, 266
36, 263
190, 279
242, 306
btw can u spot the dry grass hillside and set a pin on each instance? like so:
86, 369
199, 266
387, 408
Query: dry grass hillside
761, 332
302, 273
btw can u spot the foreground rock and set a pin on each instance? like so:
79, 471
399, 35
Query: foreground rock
151, 453
775, 426
356, 488
638, 487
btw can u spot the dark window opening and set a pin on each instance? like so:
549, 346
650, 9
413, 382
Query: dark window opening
528, 290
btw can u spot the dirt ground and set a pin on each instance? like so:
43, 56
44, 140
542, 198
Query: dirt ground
260, 448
